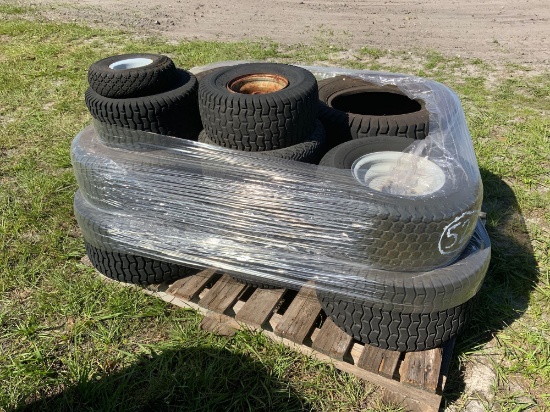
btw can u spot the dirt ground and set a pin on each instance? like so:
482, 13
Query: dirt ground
497, 31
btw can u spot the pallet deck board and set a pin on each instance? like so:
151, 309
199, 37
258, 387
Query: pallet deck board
422, 369
222, 295
260, 306
381, 361
188, 288
332, 341
299, 319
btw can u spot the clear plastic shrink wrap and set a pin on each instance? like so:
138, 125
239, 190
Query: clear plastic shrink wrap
362, 234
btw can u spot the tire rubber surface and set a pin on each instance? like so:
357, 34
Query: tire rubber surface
411, 233
156, 77
414, 326
308, 151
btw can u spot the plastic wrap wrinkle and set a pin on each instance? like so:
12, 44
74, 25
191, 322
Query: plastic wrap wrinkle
206, 206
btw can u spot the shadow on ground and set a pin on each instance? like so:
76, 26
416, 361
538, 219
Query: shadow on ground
511, 277
190, 379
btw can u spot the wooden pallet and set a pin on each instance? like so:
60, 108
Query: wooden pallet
413, 379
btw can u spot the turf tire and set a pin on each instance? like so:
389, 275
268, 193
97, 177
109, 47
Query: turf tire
258, 122
342, 124
157, 77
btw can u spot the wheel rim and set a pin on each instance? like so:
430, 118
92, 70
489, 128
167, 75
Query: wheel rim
258, 83
397, 173
133, 63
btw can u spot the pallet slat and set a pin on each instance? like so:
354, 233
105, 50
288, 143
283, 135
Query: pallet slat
299, 318
189, 288
422, 369
223, 294
381, 361
332, 341
415, 380
259, 307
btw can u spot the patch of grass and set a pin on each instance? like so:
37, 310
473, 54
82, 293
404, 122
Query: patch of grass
71, 341
372, 52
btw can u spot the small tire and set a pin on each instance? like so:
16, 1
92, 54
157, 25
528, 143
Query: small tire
308, 151
352, 108
116, 264
172, 113
132, 75
237, 114
410, 232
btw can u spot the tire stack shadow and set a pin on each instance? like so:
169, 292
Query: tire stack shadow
188, 379
511, 277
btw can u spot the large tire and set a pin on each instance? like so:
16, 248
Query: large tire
352, 108
132, 75
116, 264
262, 121
308, 151
395, 330
411, 232
410, 314
173, 112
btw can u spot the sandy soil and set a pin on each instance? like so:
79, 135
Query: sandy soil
494, 30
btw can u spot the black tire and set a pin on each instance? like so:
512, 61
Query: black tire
172, 113
395, 330
153, 78
352, 108
411, 233
116, 264
309, 151
407, 313
257, 122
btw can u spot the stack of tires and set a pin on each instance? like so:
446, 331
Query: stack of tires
135, 93
144, 92
427, 278
424, 254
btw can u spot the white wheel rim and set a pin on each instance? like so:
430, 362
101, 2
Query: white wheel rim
130, 63
397, 173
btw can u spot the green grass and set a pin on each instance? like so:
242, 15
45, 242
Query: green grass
71, 341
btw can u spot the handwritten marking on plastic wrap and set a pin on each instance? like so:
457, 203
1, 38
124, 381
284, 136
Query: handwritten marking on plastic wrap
452, 238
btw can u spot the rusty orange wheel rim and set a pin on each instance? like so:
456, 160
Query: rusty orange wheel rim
257, 83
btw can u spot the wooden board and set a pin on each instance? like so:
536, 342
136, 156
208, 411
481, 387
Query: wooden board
222, 295
300, 317
331, 341
259, 307
381, 361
